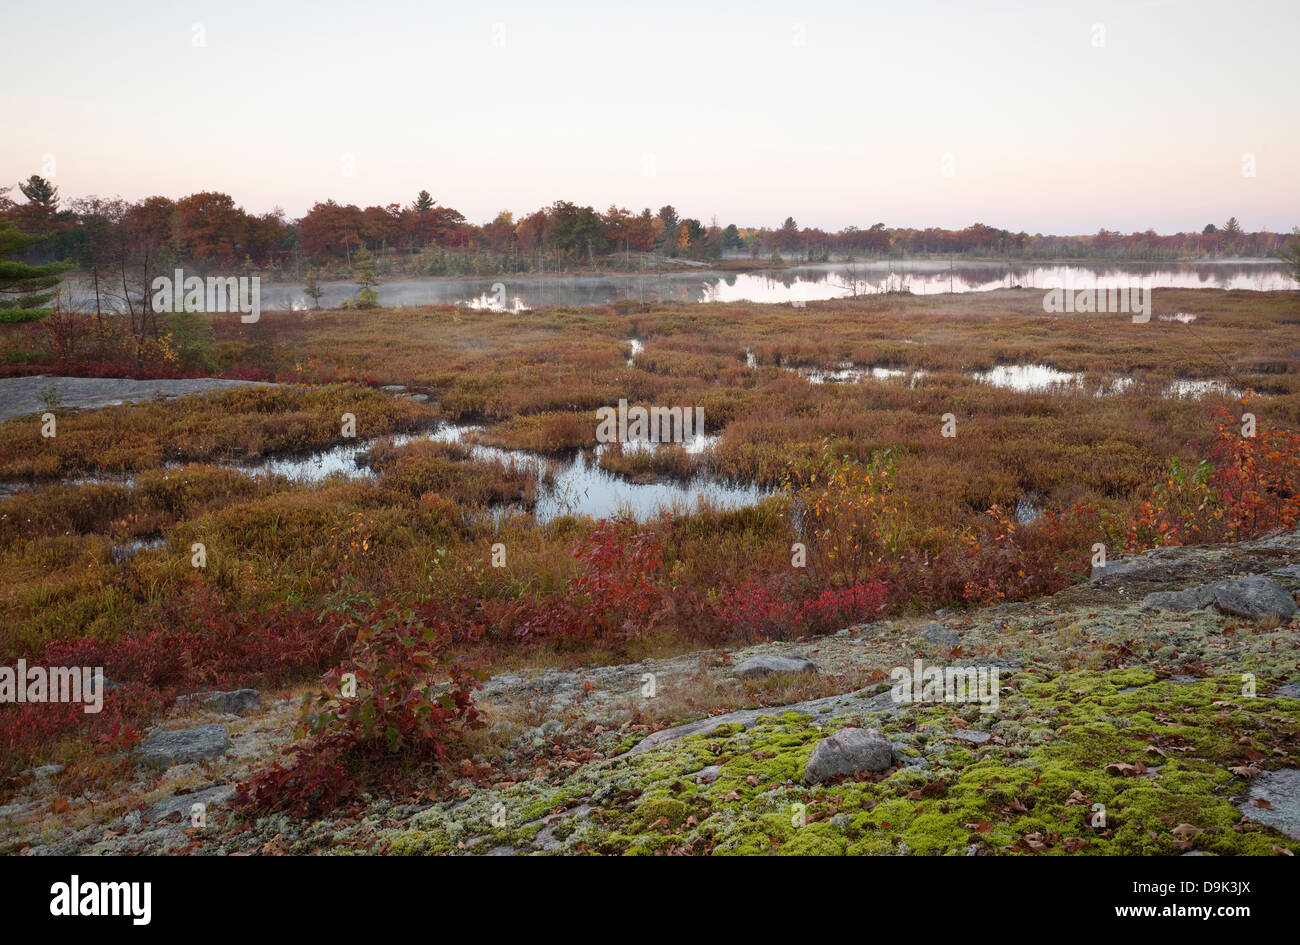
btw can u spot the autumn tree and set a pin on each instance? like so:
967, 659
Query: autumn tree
211, 228
330, 230
787, 238
499, 235
531, 231
432, 225
574, 230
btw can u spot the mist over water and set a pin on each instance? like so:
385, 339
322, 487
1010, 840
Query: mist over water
800, 284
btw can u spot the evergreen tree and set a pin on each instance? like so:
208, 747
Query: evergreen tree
40, 192
1291, 255
24, 290
365, 277
312, 287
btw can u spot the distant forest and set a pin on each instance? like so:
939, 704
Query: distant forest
208, 230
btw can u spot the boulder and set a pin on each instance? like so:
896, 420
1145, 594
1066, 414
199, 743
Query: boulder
235, 702
776, 663
181, 746
1110, 569
939, 635
1257, 596
847, 751
1196, 598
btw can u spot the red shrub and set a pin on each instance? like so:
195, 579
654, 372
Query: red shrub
384, 718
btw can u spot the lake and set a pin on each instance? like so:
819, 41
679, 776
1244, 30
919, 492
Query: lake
802, 284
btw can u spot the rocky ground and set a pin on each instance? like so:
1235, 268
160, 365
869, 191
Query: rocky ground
1154, 710
20, 396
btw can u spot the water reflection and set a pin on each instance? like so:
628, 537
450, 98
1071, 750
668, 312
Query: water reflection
570, 486
796, 285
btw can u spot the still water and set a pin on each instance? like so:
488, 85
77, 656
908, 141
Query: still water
803, 284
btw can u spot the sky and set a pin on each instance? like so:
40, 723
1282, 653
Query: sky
1044, 116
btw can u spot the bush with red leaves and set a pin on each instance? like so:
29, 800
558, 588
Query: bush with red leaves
384, 719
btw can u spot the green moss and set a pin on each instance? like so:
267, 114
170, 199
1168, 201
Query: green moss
1033, 793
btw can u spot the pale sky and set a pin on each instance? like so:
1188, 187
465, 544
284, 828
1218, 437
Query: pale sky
1054, 117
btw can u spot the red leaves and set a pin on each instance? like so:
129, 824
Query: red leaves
615, 592
756, 609
397, 719
200, 643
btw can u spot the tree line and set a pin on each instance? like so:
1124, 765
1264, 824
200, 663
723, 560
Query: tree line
106, 237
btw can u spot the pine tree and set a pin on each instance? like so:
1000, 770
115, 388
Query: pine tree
312, 287
40, 192
365, 277
24, 290
1291, 255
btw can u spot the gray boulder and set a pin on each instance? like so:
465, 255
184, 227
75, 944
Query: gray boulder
181, 746
235, 702
1110, 569
847, 751
776, 663
1256, 596
1195, 598
939, 635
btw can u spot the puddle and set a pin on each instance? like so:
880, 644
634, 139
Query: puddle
1036, 378
1117, 385
486, 302
571, 486
1280, 791
128, 550
579, 486
1027, 511
1027, 377
849, 373
637, 347
1184, 387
